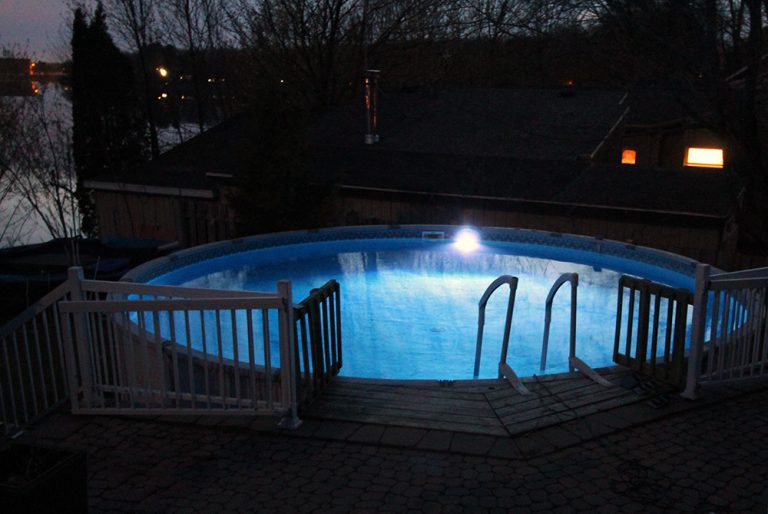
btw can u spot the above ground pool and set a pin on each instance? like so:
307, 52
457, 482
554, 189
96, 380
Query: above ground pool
409, 295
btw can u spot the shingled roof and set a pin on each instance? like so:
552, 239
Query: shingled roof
526, 146
534, 184
549, 124
194, 164
654, 103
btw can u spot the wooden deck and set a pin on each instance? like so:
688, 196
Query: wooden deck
482, 407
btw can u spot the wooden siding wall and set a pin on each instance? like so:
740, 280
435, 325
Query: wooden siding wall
205, 222
701, 243
191, 221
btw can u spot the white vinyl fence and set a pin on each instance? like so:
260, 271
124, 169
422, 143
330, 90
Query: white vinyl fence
730, 332
118, 347
33, 377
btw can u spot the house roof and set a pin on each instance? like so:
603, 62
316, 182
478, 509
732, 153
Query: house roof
192, 166
655, 103
517, 123
550, 124
523, 145
544, 184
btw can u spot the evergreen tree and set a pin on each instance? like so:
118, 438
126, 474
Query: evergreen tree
108, 134
275, 190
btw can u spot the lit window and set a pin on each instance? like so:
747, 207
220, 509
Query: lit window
628, 156
704, 157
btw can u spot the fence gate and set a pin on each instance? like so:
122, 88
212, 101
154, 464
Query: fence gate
651, 332
730, 327
318, 340
180, 355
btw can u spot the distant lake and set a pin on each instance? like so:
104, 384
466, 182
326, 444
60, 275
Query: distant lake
27, 225
20, 222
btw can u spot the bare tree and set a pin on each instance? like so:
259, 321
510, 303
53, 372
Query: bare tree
37, 176
319, 47
195, 26
135, 21
12, 220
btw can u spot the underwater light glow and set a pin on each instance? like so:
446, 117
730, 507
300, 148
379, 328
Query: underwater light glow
466, 241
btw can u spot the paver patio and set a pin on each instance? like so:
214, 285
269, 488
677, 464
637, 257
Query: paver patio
704, 456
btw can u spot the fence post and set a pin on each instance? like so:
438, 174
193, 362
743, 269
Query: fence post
78, 346
288, 355
698, 326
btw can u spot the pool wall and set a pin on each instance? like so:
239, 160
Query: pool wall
554, 242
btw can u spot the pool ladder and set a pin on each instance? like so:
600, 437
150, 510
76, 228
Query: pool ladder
505, 370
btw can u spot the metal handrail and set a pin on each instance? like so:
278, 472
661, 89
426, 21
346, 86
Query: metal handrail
573, 278
504, 279
574, 363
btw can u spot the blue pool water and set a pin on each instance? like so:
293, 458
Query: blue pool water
409, 306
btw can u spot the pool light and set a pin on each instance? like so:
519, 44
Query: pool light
466, 240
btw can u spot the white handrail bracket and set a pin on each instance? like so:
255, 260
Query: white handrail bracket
506, 372
587, 371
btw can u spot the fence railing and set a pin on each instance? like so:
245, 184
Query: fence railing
119, 347
180, 351
654, 325
729, 338
33, 380
318, 340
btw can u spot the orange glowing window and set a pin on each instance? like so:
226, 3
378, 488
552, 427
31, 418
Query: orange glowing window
628, 156
704, 157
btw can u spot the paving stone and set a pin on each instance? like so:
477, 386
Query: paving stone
532, 445
472, 443
559, 437
307, 429
335, 429
704, 459
56, 427
506, 448
436, 440
367, 434
401, 436
209, 421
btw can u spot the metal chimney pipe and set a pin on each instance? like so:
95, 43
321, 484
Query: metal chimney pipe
371, 106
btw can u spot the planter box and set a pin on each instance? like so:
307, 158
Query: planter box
38, 479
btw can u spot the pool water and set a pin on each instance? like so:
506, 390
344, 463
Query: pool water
410, 306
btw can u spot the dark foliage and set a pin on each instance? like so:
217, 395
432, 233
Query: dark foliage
108, 135
277, 191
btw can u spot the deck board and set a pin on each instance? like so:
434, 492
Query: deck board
484, 407
564, 396
466, 407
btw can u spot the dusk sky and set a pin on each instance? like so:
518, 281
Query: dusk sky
34, 27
